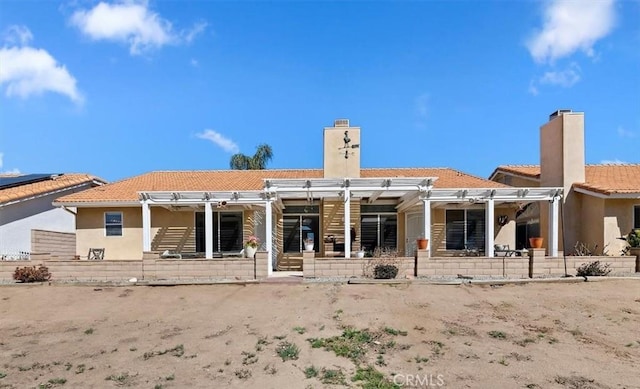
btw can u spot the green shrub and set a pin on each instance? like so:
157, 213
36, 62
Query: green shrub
32, 274
593, 269
385, 272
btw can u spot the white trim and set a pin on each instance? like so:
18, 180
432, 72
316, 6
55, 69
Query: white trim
146, 226
489, 231
105, 204
268, 234
77, 186
553, 227
104, 223
518, 175
610, 196
208, 230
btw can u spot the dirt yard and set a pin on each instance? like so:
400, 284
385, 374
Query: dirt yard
584, 335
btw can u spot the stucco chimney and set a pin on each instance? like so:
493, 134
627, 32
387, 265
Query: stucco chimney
341, 150
562, 164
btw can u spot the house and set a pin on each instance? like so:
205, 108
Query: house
341, 208
26, 205
601, 202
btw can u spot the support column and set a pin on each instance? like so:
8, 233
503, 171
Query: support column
426, 228
489, 228
269, 235
553, 227
208, 231
347, 223
146, 226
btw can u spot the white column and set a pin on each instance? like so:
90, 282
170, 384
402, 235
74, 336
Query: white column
553, 227
269, 235
146, 226
489, 228
208, 231
347, 223
426, 229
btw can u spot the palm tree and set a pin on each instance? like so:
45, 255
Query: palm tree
259, 161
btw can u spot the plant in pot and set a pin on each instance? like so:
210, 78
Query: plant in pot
251, 246
536, 242
633, 248
308, 244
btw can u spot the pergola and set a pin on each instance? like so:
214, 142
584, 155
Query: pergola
410, 192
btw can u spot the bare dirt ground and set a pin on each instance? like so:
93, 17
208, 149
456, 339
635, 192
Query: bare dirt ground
584, 335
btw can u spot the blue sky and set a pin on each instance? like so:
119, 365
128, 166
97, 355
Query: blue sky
117, 89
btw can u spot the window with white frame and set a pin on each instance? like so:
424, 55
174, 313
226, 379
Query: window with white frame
636, 216
464, 229
113, 223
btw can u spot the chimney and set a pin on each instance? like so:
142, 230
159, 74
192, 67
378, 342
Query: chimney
341, 150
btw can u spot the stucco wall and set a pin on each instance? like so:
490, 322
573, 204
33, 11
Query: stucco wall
618, 221
18, 219
591, 229
90, 233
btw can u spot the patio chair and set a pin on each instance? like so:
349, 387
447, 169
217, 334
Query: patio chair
95, 254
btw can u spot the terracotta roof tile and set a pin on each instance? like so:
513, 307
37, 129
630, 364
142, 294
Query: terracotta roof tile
39, 188
605, 179
228, 180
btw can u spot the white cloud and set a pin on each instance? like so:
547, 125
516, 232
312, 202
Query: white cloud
612, 162
218, 139
623, 133
12, 171
571, 25
194, 62
565, 78
196, 30
132, 23
533, 88
18, 35
422, 106
28, 71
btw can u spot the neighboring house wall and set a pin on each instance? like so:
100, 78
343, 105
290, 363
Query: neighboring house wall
18, 219
57, 244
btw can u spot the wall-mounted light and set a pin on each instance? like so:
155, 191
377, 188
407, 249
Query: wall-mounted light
502, 220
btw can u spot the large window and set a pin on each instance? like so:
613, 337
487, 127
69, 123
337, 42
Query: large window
298, 228
465, 229
378, 227
636, 216
113, 223
227, 231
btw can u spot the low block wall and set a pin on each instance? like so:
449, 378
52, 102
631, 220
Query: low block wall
149, 269
481, 267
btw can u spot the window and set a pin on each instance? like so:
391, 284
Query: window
298, 228
227, 231
636, 216
465, 229
378, 230
113, 223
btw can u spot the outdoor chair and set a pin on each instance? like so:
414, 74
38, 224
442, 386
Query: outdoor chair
95, 254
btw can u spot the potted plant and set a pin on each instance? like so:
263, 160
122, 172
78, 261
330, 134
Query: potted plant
360, 253
308, 244
536, 242
251, 246
633, 240
422, 243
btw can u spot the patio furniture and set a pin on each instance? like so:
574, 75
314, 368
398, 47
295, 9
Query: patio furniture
95, 254
169, 254
504, 251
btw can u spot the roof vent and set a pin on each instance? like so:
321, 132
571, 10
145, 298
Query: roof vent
341, 123
558, 113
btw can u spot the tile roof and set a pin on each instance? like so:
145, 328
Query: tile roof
605, 179
43, 187
230, 180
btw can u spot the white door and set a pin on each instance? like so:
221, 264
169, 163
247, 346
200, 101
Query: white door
413, 228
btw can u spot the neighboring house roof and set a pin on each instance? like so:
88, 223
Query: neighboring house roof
126, 191
618, 179
54, 183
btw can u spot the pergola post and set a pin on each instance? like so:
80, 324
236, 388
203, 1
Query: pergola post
347, 223
426, 204
146, 226
208, 231
489, 228
268, 235
553, 227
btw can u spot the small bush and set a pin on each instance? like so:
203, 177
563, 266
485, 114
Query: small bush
385, 272
593, 269
32, 274
287, 351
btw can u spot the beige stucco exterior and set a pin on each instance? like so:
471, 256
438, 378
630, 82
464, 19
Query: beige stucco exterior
335, 163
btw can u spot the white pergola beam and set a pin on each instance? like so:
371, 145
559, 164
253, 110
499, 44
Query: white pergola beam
208, 231
489, 228
146, 226
553, 228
